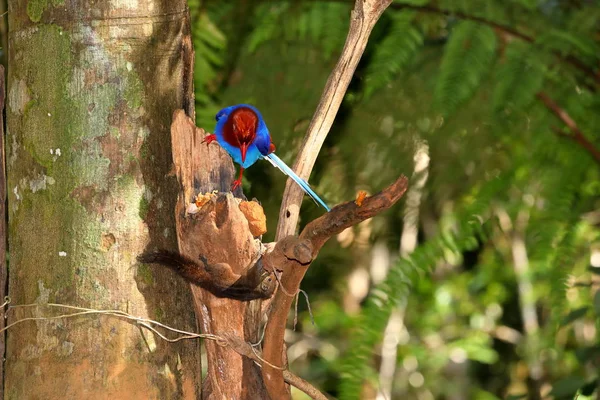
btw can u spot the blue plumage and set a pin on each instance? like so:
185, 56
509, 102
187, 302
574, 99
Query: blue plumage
254, 148
242, 132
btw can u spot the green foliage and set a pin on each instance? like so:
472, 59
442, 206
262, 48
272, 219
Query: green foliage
209, 47
403, 276
520, 76
323, 23
467, 59
395, 52
567, 43
462, 77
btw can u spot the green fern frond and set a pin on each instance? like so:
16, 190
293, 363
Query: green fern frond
569, 43
473, 228
467, 59
584, 21
519, 77
329, 25
209, 47
268, 22
323, 23
412, 2
393, 53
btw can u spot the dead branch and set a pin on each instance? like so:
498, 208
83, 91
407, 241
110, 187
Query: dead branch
293, 255
577, 134
363, 18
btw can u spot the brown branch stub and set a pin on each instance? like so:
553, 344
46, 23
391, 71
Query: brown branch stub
576, 133
364, 16
290, 256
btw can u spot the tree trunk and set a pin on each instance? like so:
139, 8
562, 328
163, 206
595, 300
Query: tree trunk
91, 90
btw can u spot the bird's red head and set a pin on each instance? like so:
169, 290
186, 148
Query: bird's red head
240, 129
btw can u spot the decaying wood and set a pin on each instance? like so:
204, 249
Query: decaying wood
298, 253
218, 234
364, 16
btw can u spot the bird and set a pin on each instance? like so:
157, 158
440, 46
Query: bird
243, 133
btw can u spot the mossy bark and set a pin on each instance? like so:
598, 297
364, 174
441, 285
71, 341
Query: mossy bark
91, 90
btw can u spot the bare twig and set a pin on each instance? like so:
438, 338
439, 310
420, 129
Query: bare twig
564, 116
364, 16
303, 385
293, 255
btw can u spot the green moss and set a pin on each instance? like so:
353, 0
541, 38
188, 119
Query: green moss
134, 90
144, 207
115, 132
50, 109
159, 313
145, 274
35, 9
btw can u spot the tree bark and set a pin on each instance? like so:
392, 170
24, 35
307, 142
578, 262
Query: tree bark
92, 87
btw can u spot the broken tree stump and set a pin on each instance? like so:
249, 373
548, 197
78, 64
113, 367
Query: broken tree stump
217, 236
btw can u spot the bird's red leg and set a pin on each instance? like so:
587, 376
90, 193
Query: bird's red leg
209, 139
238, 181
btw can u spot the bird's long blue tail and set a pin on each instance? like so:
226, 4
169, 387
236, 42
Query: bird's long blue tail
277, 162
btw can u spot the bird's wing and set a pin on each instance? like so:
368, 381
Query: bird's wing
277, 162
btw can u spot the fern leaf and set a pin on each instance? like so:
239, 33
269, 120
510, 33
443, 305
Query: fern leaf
467, 59
405, 274
393, 53
569, 43
268, 23
519, 78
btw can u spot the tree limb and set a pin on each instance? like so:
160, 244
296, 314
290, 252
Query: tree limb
363, 18
292, 256
564, 116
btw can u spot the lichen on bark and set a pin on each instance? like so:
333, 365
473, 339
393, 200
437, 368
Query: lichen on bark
82, 105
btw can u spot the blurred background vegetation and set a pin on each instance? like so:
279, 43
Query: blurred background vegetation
483, 283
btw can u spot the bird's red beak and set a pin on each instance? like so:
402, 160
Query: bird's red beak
243, 149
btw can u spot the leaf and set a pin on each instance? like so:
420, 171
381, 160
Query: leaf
570, 43
393, 53
589, 388
516, 396
519, 78
467, 59
597, 302
574, 315
567, 387
268, 21
587, 353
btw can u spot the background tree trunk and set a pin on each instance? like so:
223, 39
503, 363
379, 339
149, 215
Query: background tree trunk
91, 88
